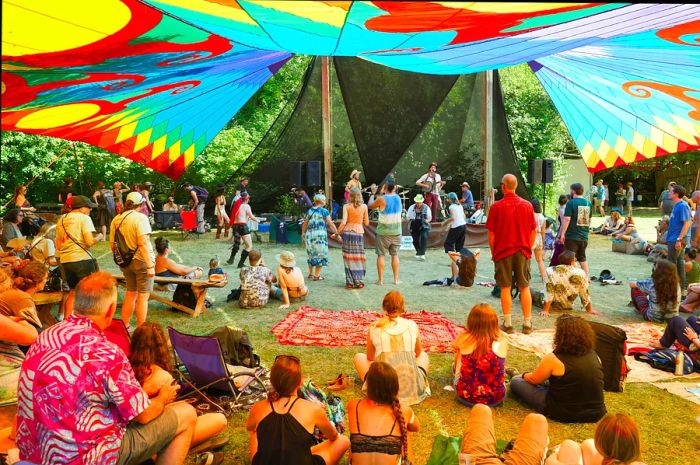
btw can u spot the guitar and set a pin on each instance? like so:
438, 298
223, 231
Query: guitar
430, 184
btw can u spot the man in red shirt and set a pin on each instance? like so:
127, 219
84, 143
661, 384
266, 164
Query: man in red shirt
512, 231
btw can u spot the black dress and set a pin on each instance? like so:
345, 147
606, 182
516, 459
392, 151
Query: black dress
282, 440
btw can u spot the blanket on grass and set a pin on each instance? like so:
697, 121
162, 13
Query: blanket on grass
315, 327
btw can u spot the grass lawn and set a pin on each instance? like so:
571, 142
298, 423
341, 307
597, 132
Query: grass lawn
669, 425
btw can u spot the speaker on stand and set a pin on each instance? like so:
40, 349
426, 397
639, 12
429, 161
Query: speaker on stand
296, 173
314, 173
541, 171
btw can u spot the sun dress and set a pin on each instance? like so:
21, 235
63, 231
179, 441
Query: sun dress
481, 380
316, 236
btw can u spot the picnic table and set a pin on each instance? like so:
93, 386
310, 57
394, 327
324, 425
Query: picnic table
44, 302
199, 288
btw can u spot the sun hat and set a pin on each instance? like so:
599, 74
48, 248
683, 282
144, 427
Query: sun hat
452, 196
320, 198
418, 198
354, 172
465, 183
134, 197
286, 258
80, 201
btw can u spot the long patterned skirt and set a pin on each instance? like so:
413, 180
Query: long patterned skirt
354, 257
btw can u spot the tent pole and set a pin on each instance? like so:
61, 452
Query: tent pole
488, 135
327, 129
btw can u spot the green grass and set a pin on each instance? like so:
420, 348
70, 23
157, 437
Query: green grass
668, 424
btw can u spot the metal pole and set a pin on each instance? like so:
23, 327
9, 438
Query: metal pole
327, 129
488, 135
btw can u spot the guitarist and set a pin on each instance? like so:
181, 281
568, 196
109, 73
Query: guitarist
431, 183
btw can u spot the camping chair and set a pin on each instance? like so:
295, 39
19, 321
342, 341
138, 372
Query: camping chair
189, 223
117, 334
204, 361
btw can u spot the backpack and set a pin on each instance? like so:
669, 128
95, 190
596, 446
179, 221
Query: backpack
496, 291
611, 348
202, 193
330, 403
121, 253
665, 360
236, 346
184, 295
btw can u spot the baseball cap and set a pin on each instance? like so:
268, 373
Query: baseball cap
134, 197
80, 201
452, 196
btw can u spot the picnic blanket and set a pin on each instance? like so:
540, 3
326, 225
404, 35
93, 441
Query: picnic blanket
315, 327
687, 391
638, 335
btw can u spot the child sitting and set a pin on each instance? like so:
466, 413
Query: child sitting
657, 298
549, 236
214, 267
256, 282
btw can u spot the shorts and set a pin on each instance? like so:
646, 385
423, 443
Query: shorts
136, 277
73, 272
577, 247
516, 264
240, 229
386, 244
141, 442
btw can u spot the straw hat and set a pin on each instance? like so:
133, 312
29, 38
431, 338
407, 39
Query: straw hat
286, 258
466, 184
419, 199
355, 172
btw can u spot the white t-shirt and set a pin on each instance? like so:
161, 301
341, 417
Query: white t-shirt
457, 215
73, 225
44, 249
399, 335
132, 224
630, 193
411, 214
435, 180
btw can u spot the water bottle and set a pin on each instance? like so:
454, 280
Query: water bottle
679, 363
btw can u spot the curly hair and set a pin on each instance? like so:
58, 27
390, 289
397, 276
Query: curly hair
666, 284
573, 335
383, 388
30, 275
149, 346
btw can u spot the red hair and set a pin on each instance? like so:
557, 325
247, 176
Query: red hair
482, 324
393, 306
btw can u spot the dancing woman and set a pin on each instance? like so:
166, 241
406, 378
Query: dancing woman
351, 229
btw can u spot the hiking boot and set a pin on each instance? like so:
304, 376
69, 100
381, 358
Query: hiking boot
527, 329
244, 255
506, 329
512, 372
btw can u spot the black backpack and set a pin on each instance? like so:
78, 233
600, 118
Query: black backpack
121, 253
236, 346
610, 347
184, 295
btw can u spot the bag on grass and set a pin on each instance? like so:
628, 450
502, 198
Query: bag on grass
236, 346
332, 404
610, 346
665, 360
184, 295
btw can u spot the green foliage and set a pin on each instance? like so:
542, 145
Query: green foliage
286, 205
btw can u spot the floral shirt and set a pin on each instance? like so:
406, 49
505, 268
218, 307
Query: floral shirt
255, 286
564, 284
77, 393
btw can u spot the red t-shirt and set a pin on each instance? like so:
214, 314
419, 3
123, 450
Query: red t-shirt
512, 220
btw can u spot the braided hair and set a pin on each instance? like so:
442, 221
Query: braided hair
383, 388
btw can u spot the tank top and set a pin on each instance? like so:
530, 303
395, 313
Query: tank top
364, 443
482, 379
282, 440
577, 396
390, 216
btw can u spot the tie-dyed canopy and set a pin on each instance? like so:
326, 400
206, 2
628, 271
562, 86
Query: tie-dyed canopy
155, 81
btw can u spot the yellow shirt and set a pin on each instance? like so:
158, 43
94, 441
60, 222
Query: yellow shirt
134, 224
70, 230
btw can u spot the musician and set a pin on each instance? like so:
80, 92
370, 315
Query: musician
353, 183
431, 182
301, 198
467, 199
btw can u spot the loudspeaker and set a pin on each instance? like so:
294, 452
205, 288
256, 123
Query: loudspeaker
547, 171
313, 173
296, 173
534, 171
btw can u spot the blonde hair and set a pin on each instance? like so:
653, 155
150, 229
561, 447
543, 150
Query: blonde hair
393, 306
355, 198
615, 216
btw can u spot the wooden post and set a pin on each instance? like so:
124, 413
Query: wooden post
327, 129
488, 137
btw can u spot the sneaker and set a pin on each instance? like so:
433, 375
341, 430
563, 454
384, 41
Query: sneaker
527, 329
421, 258
506, 329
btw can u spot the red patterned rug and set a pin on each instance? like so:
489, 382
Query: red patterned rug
308, 326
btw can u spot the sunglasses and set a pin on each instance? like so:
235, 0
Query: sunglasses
290, 357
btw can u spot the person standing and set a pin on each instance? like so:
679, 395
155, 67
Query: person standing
241, 187
419, 217
577, 221
106, 208
75, 234
147, 206
620, 196
117, 192
512, 230
240, 215
353, 183
599, 199
315, 234
388, 229
199, 198
666, 204
222, 218
454, 242
630, 198
678, 229
467, 199
606, 199
135, 229
67, 190
695, 227
431, 182
351, 229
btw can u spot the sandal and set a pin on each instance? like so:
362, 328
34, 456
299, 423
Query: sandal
210, 458
359, 286
210, 444
319, 278
349, 286
346, 382
337, 380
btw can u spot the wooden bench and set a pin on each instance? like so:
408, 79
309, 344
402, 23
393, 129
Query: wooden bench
199, 287
44, 302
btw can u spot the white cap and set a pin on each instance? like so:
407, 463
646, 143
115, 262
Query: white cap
135, 198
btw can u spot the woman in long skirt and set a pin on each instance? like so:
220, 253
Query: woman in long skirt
355, 217
315, 234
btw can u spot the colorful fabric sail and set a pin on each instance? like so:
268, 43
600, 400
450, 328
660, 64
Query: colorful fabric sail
155, 81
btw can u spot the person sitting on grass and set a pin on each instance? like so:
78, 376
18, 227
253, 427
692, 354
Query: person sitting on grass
281, 427
370, 443
256, 281
480, 357
479, 439
463, 265
657, 298
396, 340
683, 332
290, 279
153, 365
692, 268
565, 283
614, 224
692, 300
574, 392
629, 233
615, 442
